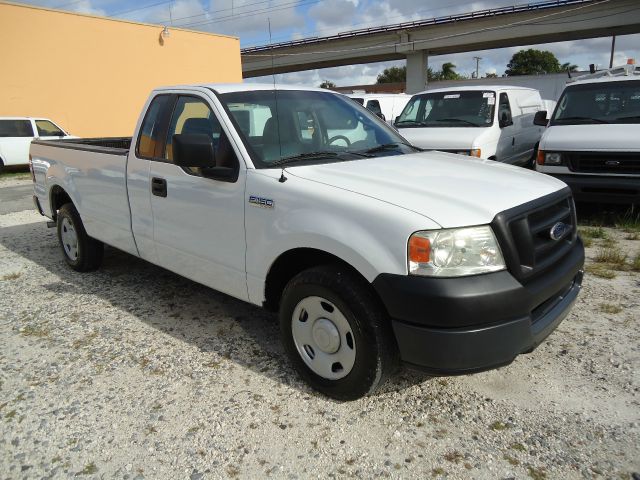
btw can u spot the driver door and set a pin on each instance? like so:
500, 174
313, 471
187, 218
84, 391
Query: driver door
198, 222
505, 151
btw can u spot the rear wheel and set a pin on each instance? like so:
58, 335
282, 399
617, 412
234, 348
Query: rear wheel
80, 251
336, 333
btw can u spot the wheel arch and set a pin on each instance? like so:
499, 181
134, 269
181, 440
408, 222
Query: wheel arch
288, 264
58, 196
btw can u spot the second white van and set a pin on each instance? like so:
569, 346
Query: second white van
492, 122
387, 106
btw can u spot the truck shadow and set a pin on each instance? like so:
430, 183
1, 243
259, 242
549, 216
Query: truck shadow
192, 313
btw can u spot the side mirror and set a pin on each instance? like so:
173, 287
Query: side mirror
541, 118
381, 116
396, 120
193, 150
61, 134
505, 119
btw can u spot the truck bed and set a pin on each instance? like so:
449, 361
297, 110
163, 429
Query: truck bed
110, 145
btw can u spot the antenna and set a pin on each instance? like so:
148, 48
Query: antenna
282, 178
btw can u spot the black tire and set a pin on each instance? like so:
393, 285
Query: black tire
89, 251
376, 352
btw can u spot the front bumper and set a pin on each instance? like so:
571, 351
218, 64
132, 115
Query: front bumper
451, 326
607, 189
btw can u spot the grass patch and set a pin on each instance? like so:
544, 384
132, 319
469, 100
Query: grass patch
536, 473
498, 426
89, 469
629, 222
609, 308
587, 242
519, 447
635, 264
453, 457
612, 256
632, 236
11, 276
511, 460
593, 232
30, 331
15, 175
437, 472
601, 271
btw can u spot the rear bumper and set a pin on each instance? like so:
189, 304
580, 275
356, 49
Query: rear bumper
454, 326
607, 189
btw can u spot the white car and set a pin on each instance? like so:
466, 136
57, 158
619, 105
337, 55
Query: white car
16, 134
592, 142
386, 105
373, 252
492, 122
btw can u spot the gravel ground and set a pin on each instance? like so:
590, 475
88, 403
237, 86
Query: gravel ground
134, 372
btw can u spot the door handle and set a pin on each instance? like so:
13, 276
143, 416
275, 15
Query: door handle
159, 187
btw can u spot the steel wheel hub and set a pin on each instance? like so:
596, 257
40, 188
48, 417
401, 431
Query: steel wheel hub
323, 337
69, 239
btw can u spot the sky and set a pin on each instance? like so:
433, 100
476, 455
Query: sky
295, 19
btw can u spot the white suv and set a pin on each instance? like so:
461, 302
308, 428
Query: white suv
16, 134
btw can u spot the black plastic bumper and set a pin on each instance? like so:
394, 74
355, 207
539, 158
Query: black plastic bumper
450, 326
611, 189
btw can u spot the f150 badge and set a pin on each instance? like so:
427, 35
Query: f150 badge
260, 202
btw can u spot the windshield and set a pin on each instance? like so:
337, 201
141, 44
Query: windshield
449, 109
308, 127
599, 102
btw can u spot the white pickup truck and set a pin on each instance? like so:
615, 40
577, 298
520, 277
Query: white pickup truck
373, 252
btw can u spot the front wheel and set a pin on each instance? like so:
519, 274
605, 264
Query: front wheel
336, 333
80, 251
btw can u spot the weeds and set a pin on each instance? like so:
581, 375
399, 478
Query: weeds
593, 232
536, 473
453, 457
600, 271
633, 236
511, 460
30, 331
612, 256
635, 264
11, 276
609, 308
498, 426
88, 469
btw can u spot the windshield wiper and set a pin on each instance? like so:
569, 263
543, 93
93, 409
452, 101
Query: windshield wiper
412, 122
304, 156
458, 120
630, 117
588, 119
389, 146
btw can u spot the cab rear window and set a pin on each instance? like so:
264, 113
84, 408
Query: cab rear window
15, 128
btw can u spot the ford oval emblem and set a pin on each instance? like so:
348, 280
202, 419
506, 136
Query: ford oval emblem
559, 230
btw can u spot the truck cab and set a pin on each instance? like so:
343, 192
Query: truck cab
492, 122
592, 142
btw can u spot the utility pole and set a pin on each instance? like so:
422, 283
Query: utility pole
613, 49
477, 59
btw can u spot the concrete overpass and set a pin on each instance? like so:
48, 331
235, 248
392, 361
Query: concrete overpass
542, 22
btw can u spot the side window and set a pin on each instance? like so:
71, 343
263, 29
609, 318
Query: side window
15, 128
192, 115
48, 129
374, 106
149, 139
504, 108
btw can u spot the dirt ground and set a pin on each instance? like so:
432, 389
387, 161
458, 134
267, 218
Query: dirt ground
134, 372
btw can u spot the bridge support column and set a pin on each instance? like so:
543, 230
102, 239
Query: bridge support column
417, 63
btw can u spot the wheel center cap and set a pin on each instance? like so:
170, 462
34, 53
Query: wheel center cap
326, 335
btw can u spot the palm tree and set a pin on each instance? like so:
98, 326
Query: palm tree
568, 66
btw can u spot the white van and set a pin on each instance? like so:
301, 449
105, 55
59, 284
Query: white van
493, 122
16, 134
592, 142
386, 105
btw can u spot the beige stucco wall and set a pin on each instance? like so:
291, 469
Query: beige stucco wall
92, 75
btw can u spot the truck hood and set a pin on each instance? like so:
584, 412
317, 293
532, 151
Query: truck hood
600, 137
443, 138
451, 190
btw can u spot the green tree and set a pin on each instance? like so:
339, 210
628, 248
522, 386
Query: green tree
491, 75
448, 72
393, 75
533, 62
569, 66
328, 84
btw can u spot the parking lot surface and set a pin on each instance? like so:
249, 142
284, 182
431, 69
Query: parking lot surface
134, 372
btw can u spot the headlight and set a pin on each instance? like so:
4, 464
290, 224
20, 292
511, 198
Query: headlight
552, 158
454, 252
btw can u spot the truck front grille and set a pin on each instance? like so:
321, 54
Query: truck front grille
604, 162
525, 237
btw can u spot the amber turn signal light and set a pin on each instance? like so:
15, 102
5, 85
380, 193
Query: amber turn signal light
419, 249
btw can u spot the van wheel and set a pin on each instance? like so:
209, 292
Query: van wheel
336, 333
80, 251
